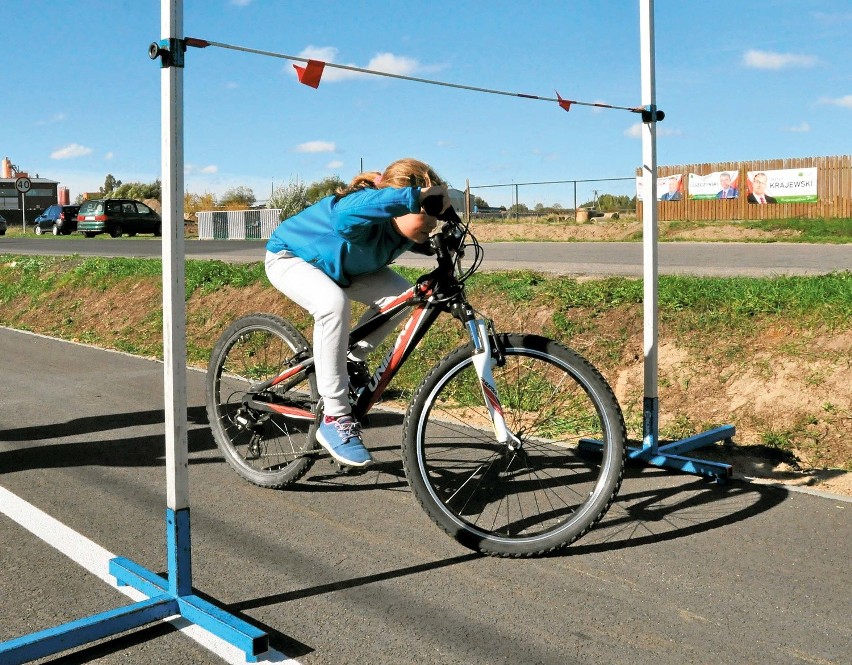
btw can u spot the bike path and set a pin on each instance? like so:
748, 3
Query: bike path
348, 569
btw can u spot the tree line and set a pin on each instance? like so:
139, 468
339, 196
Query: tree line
296, 195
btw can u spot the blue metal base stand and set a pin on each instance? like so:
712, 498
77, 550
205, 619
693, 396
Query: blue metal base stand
671, 455
167, 597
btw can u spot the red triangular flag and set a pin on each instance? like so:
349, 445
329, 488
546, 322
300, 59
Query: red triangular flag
564, 103
311, 73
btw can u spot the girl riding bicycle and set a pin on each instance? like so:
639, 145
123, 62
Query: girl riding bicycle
337, 251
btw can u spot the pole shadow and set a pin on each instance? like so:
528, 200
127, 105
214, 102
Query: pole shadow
127, 451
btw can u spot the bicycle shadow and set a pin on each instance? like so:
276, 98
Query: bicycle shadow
145, 450
653, 504
657, 505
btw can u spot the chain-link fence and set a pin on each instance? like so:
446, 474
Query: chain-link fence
559, 198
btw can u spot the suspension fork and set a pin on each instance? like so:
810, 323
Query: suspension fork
482, 336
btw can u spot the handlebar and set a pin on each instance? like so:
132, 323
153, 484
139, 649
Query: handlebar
449, 245
432, 206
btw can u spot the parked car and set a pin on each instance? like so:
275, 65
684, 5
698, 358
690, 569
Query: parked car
58, 219
117, 217
3, 225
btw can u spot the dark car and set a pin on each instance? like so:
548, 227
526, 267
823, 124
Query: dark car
3, 225
58, 219
117, 217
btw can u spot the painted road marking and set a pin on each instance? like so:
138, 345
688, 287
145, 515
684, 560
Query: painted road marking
95, 559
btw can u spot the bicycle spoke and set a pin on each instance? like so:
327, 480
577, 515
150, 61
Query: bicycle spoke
542, 487
266, 448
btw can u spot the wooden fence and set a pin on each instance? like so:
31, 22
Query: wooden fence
834, 191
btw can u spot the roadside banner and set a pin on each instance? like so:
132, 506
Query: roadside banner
782, 186
669, 188
716, 185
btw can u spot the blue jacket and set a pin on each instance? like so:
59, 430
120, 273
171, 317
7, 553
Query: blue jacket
348, 236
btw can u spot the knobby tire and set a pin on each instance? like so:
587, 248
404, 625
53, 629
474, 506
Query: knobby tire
524, 502
276, 451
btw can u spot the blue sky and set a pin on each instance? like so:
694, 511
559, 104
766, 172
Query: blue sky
737, 81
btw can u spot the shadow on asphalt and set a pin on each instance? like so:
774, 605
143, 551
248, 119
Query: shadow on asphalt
653, 504
294, 648
139, 451
196, 415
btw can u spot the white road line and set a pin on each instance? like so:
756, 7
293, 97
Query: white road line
95, 559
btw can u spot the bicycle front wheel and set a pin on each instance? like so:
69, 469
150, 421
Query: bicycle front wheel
270, 450
538, 492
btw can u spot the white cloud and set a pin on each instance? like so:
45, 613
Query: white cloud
635, 131
108, 156
393, 64
191, 168
316, 146
56, 117
232, 85
381, 62
70, 151
845, 101
241, 3
803, 127
334, 165
771, 60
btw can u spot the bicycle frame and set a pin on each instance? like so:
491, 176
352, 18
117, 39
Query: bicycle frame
434, 293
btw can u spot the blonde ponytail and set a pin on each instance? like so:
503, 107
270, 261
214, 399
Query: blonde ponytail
365, 180
406, 172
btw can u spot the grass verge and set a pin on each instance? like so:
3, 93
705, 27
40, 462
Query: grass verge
771, 355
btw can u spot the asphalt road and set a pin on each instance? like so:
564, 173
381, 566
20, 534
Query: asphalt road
347, 569
590, 258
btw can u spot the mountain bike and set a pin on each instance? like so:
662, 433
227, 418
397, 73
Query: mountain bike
513, 444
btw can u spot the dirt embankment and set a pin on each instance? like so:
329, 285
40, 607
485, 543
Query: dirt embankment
785, 389
616, 230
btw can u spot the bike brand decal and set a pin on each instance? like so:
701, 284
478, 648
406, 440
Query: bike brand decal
491, 395
374, 380
392, 359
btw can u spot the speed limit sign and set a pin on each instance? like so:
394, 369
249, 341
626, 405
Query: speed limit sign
23, 185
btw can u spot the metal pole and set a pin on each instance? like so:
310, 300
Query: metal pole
517, 204
575, 200
174, 310
650, 420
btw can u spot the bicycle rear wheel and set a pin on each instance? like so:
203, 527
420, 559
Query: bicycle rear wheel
538, 495
269, 450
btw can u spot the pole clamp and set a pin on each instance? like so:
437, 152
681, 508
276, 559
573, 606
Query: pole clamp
170, 51
652, 114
